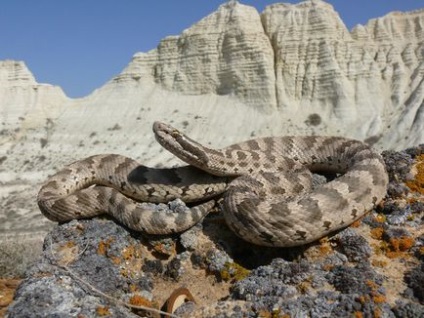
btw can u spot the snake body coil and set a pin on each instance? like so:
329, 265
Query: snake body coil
270, 197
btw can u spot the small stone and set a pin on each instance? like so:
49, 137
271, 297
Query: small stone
190, 238
216, 260
353, 245
154, 267
408, 310
415, 281
174, 269
185, 309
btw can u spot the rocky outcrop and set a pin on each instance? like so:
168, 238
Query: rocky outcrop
226, 53
15, 74
234, 75
374, 268
24, 104
301, 62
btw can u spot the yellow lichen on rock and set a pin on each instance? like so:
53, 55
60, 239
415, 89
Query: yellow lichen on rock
417, 183
233, 272
103, 311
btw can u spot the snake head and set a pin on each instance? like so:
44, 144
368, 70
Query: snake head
161, 129
180, 145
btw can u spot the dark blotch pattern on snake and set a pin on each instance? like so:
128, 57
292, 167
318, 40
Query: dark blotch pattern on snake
270, 197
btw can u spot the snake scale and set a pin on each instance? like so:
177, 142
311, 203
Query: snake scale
269, 194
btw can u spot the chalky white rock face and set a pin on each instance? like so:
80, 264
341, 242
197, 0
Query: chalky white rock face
228, 52
234, 75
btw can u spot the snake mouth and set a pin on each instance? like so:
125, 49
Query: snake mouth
179, 144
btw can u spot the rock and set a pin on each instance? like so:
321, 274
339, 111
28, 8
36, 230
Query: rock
81, 256
409, 310
415, 280
226, 53
398, 165
348, 274
299, 288
354, 246
15, 74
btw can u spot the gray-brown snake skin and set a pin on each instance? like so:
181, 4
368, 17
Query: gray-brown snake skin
270, 197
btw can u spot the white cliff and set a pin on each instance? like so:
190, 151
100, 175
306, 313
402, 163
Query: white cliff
226, 53
234, 75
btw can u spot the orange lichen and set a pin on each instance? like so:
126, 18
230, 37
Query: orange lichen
377, 233
325, 247
377, 313
417, 184
103, 311
377, 297
397, 247
131, 252
393, 248
104, 246
371, 284
138, 300
363, 299
357, 223
392, 254
115, 260
7, 292
402, 243
131, 256
131, 260
374, 296
165, 249
101, 249
358, 314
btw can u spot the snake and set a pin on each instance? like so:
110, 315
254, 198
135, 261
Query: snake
270, 196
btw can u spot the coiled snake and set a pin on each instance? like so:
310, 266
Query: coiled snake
270, 197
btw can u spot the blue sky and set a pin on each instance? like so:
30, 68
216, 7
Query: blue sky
81, 44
